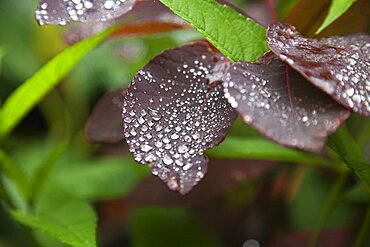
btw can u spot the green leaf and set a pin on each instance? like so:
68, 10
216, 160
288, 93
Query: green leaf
343, 144
337, 8
73, 223
104, 179
260, 148
160, 227
236, 36
2, 54
31, 92
45, 168
306, 207
13, 171
356, 194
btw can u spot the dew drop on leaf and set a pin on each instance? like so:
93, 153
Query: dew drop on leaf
282, 104
338, 65
180, 93
61, 12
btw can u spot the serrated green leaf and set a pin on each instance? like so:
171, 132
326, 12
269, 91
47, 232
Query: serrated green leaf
32, 91
337, 8
260, 148
73, 223
237, 37
159, 227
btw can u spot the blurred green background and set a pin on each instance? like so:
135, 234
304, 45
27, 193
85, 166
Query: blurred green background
79, 188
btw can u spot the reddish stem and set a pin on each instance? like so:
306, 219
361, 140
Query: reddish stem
211, 88
272, 10
290, 95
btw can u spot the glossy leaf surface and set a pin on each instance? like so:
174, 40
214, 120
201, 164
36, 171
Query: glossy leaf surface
174, 109
281, 104
337, 65
61, 12
147, 17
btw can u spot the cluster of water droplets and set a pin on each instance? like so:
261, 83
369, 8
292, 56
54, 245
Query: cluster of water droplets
285, 107
337, 65
172, 114
61, 12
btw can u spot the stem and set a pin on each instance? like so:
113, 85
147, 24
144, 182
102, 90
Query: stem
328, 207
364, 230
272, 10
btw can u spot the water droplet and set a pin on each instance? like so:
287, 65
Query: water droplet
167, 160
183, 149
146, 147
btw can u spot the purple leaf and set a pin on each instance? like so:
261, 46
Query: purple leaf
338, 65
150, 17
281, 104
61, 12
104, 124
174, 109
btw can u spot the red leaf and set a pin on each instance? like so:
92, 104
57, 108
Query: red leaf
174, 109
61, 12
148, 17
337, 65
104, 124
281, 104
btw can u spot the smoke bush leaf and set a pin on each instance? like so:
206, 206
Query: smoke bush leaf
337, 65
61, 12
174, 109
151, 17
281, 104
104, 124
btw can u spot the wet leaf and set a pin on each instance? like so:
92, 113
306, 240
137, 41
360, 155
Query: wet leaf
150, 17
223, 175
174, 110
61, 12
281, 104
104, 124
337, 65
337, 8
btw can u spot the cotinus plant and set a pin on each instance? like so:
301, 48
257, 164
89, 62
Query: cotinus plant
294, 90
